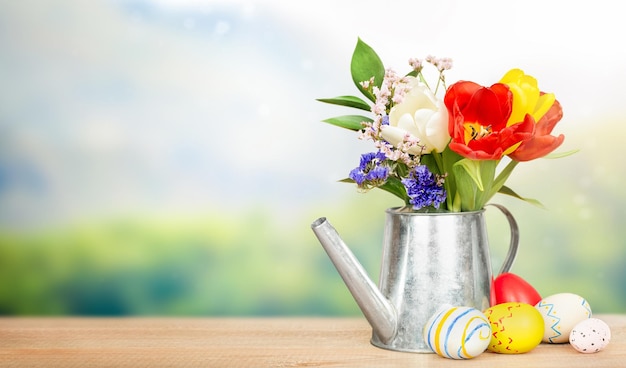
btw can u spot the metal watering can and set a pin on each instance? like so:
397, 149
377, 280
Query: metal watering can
429, 260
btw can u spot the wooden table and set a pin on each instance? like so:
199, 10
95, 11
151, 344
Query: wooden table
249, 342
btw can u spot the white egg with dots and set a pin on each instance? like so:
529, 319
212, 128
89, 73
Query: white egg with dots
590, 336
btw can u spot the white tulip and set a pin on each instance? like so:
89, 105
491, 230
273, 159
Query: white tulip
423, 116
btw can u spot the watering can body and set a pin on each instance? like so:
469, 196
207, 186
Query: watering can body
429, 260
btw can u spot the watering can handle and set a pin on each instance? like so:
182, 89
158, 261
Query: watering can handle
512, 253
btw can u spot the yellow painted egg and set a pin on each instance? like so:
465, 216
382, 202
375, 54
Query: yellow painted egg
561, 312
457, 332
516, 328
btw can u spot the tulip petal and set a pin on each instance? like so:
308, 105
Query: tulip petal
395, 136
407, 123
436, 132
460, 94
537, 147
549, 120
478, 117
544, 104
421, 115
392, 134
541, 143
466, 151
422, 118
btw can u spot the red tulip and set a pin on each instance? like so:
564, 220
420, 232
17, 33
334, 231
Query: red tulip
508, 287
542, 143
478, 121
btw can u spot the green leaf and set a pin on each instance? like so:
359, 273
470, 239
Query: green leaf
366, 64
394, 186
432, 162
474, 180
488, 173
456, 203
466, 188
561, 154
352, 122
349, 101
502, 177
508, 191
472, 169
401, 169
448, 159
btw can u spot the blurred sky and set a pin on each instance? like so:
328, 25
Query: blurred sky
116, 107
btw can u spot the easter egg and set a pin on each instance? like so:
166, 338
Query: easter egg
509, 287
561, 312
590, 336
457, 332
516, 328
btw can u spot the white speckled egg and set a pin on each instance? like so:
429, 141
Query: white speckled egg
590, 336
561, 312
458, 332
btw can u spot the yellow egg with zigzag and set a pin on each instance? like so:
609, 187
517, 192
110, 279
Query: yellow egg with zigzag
516, 328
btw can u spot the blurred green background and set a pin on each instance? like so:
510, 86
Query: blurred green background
167, 158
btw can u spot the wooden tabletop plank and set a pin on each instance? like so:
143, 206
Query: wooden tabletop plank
249, 342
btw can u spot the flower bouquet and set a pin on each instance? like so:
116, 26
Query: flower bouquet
443, 153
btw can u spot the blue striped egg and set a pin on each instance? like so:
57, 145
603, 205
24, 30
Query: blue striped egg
458, 332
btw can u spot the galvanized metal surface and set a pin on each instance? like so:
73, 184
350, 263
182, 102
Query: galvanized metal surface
429, 260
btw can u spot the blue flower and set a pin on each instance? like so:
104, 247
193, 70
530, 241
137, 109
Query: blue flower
371, 170
423, 188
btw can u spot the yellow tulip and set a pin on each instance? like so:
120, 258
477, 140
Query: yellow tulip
527, 98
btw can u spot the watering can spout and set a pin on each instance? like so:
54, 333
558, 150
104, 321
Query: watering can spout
375, 307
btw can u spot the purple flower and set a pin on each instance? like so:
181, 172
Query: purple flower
423, 188
371, 170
